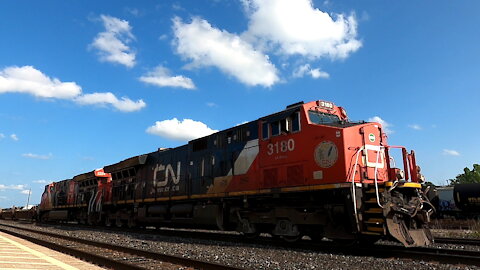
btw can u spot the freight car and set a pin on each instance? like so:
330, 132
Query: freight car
19, 213
306, 170
461, 201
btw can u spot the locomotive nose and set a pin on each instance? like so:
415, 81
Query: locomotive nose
406, 218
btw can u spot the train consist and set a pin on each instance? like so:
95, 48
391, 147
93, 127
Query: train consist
306, 170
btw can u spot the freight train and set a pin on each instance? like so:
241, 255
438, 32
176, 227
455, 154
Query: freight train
306, 170
19, 213
459, 201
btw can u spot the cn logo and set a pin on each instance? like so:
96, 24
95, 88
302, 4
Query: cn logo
169, 174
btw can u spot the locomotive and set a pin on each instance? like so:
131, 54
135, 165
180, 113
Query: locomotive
306, 170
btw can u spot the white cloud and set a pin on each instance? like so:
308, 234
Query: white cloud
112, 44
295, 27
40, 181
12, 187
37, 156
415, 126
207, 46
134, 11
2, 136
385, 125
160, 76
211, 104
316, 73
25, 191
180, 130
124, 104
14, 137
29, 80
450, 152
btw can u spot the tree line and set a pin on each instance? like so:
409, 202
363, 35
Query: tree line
468, 176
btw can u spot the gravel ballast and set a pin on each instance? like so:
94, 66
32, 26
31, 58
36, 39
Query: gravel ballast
248, 256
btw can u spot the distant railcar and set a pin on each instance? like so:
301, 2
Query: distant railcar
467, 198
306, 170
19, 213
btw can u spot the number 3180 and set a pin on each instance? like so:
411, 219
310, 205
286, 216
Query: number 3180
281, 147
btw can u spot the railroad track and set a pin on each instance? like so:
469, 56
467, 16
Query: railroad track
444, 256
441, 255
457, 241
115, 257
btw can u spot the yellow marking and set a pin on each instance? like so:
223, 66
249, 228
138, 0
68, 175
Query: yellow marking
180, 197
39, 254
250, 192
6, 268
371, 233
242, 193
406, 184
199, 196
374, 211
317, 187
28, 263
374, 220
375, 229
18, 257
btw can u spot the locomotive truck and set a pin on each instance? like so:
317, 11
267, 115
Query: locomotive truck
306, 170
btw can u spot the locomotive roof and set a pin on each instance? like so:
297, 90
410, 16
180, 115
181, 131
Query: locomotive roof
127, 163
84, 176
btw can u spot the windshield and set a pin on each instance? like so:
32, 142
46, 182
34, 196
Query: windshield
322, 118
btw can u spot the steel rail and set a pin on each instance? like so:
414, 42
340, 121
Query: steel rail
450, 256
457, 241
197, 264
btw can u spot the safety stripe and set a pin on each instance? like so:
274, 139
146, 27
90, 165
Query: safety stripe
406, 184
242, 193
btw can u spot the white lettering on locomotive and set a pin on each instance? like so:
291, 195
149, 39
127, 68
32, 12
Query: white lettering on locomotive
281, 147
169, 174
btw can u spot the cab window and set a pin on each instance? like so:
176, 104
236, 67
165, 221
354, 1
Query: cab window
322, 118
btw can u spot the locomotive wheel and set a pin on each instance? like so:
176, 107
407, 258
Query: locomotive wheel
131, 223
118, 222
253, 235
108, 222
292, 239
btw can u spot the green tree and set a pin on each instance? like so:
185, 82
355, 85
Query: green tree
468, 176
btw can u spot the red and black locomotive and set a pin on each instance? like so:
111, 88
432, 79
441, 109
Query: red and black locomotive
306, 170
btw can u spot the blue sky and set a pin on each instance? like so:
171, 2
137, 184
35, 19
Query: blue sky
85, 84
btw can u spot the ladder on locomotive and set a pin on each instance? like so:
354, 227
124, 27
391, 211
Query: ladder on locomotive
373, 220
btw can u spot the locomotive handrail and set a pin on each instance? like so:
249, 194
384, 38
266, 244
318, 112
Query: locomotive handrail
406, 167
376, 177
354, 192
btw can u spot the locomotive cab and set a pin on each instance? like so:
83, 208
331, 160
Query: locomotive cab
315, 146
387, 201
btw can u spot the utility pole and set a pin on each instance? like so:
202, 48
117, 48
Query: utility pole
28, 200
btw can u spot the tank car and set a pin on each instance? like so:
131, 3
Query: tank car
306, 170
467, 198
